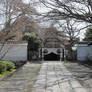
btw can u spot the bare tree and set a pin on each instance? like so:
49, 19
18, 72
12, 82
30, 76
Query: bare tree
74, 9
10, 10
71, 33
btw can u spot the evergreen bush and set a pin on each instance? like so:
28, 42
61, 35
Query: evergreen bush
6, 66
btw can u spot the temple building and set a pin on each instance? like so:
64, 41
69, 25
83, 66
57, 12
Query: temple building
51, 49
52, 45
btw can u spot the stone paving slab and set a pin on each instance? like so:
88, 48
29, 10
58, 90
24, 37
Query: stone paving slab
40, 84
54, 77
20, 80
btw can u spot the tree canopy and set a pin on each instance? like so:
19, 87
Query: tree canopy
33, 40
88, 34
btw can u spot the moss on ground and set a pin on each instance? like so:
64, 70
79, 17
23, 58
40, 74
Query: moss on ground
67, 63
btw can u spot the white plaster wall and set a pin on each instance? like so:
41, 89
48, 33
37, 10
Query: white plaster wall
14, 52
84, 53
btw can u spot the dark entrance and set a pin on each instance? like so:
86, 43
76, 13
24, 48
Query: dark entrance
32, 50
52, 57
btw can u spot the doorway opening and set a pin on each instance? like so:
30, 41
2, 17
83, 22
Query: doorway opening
52, 57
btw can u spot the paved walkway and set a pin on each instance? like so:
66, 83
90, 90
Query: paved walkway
83, 73
54, 77
20, 81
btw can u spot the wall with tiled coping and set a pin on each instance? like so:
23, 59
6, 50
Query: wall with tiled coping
14, 52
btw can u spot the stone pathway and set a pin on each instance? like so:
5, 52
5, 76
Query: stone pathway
20, 80
82, 73
54, 77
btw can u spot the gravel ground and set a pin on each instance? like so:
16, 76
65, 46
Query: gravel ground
82, 73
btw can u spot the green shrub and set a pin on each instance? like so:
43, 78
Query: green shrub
2, 67
9, 65
6, 66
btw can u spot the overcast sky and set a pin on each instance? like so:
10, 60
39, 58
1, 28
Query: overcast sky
26, 1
